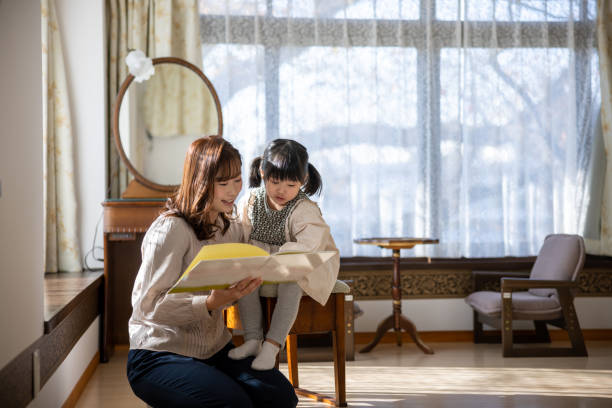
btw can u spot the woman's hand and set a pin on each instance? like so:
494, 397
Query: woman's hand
221, 297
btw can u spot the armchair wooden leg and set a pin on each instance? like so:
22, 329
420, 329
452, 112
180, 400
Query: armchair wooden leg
478, 330
571, 323
506, 317
541, 332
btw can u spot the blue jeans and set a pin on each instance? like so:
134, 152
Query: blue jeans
164, 379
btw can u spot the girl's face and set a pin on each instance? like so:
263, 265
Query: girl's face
225, 192
281, 192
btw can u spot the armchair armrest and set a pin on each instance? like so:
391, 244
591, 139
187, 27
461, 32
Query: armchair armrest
510, 284
483, 279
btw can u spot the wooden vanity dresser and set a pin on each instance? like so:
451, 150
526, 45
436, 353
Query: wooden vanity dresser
125, 223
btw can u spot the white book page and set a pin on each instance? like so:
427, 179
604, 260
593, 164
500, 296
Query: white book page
280, 267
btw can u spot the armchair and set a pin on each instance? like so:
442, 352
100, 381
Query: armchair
545, 297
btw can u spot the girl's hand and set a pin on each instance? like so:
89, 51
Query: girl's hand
221, 297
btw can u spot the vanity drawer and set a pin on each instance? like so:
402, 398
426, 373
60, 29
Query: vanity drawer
126, 216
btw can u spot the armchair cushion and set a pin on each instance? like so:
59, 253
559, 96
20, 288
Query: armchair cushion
525, 306
560, 258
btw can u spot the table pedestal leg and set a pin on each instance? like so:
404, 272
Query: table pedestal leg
382, 328
397, 321
405, 324
409, 327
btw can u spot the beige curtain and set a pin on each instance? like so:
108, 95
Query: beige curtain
61, 237
160, 28
604, 39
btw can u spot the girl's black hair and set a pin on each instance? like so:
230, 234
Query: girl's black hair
286, 159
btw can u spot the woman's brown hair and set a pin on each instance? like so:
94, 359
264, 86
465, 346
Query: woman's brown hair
208, 159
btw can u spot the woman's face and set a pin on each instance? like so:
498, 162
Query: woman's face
225, 192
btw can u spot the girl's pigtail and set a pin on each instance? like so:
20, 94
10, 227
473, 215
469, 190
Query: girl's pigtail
314, 184
255, 175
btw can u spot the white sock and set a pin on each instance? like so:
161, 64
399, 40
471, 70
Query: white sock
249, 348
266, 359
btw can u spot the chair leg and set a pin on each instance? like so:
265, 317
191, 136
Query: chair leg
541, 332
478, 330
571, 323
506, 317
339, 346
292, 360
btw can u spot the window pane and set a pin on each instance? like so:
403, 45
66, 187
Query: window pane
232, 7
354, 9
355, 110
510, 125
384, 9
512, 10
491, 151
234, 71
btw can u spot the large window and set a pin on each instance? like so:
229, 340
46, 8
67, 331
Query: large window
471, 121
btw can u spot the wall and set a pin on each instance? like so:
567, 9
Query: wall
55, 391
455, 314
82, 31
21, 199
21, 180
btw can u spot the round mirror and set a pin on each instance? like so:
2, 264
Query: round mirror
156, 120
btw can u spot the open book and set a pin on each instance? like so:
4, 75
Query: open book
220, 265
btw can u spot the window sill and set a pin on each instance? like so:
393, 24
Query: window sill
505, 263
65, 291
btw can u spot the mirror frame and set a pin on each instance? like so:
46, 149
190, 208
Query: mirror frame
124, 87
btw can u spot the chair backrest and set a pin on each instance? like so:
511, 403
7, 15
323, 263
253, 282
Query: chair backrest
560, 258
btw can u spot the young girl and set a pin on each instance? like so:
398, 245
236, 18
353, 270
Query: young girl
278, 217
178, 341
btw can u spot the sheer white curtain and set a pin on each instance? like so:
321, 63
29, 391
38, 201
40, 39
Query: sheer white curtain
466, 120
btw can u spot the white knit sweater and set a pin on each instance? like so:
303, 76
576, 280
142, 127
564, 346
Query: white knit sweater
177, 322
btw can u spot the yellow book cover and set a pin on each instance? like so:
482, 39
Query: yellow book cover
220, 265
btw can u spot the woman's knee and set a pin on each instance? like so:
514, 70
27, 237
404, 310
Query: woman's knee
180, 381
163, 396
287, 398
279, 393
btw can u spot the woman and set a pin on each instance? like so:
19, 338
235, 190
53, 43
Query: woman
179, 342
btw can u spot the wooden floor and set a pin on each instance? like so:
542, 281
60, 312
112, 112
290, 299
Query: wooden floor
458, 375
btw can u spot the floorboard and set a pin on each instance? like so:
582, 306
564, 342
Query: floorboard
458, 375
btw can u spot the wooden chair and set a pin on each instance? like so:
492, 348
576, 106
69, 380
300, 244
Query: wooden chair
312, 318
545, 297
